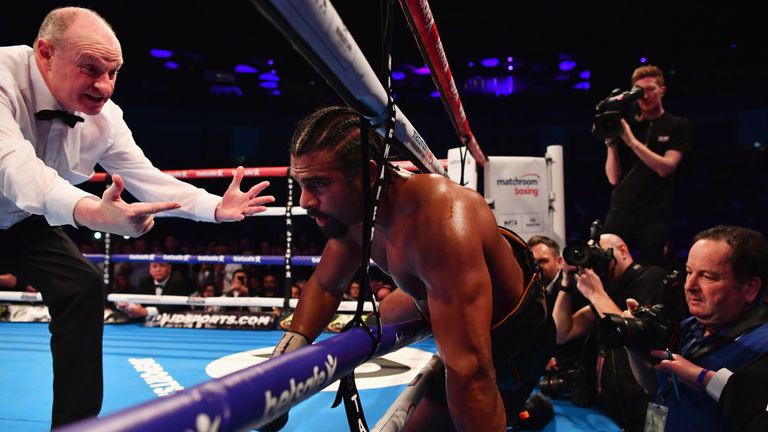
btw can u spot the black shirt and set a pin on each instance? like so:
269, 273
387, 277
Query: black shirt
640, 188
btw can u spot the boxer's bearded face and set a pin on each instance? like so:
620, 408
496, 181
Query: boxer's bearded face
328, 196
329, 225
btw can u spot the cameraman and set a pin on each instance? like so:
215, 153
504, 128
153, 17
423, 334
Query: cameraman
640, 165
619, 395
728, 332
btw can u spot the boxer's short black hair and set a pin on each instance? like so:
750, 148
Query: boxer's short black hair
336, 128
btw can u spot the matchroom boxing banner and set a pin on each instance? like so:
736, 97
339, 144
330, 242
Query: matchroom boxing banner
519, 189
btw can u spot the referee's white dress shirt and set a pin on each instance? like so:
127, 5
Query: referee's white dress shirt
41, 161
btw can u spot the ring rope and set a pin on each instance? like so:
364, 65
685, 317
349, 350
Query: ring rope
424, 29
297, 260
148, 299
402, 408
318, 33
21, 296
274, 302
254, 396
278, 171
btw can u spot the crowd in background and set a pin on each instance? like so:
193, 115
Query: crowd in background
207, 280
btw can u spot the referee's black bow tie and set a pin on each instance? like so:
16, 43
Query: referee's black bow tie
68, 118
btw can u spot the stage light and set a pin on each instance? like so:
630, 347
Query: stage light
160, 53
490, 62
583, 85
567, 65
246, 69
269, 77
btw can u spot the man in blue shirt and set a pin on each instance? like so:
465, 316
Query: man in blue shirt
728, 329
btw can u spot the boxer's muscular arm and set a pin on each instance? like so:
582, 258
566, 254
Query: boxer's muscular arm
322, 293
450, 260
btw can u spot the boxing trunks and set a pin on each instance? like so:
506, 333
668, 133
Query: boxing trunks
524, 340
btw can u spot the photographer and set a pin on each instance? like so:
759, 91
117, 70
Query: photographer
642, 157
566, 372
546, 252
238, 286
728, 332
611, 279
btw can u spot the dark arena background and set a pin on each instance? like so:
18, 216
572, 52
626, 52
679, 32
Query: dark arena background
214, 85
204, 106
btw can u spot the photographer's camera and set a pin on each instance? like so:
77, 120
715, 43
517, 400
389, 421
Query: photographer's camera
653, 327
589, 254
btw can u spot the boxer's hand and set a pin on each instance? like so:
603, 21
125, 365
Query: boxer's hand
291, 341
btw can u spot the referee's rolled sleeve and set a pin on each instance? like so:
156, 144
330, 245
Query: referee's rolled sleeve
205, 207
60, 202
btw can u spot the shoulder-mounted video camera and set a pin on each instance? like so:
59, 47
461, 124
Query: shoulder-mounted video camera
589, 254
610, 111
653, 327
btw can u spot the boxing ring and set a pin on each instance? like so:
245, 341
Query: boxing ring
235, 398
186, 356
138, 359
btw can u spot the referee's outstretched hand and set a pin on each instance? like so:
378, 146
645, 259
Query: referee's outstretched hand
235, 205
112, 214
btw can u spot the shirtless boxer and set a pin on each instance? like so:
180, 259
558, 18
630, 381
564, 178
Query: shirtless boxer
473, 282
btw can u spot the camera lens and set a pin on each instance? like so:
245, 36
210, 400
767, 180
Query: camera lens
617, 331
552, 384
576, 253
608, 125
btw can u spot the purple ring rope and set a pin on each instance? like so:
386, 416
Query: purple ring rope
253, 396
298, 260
